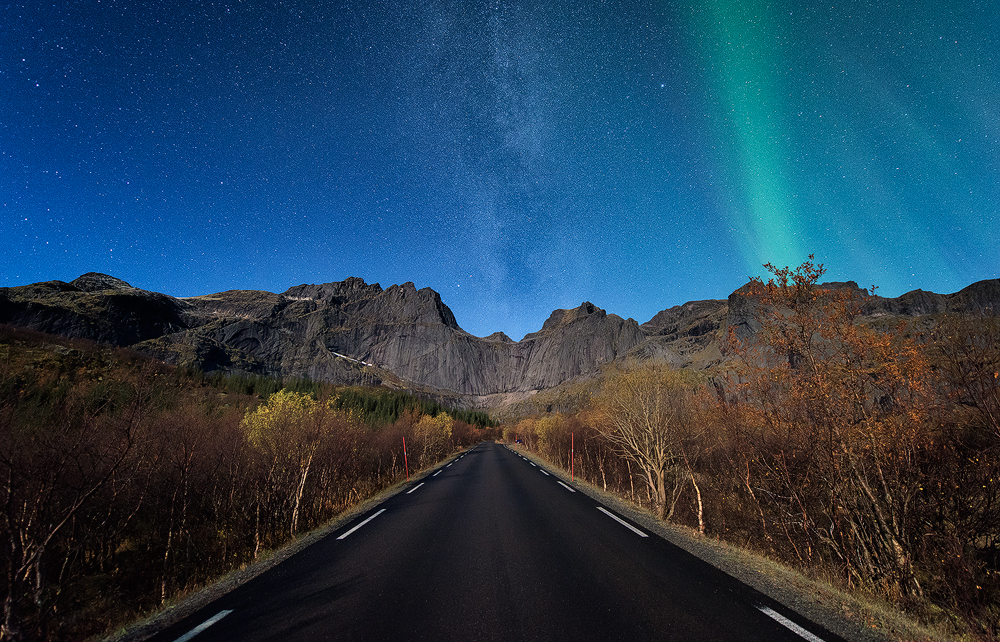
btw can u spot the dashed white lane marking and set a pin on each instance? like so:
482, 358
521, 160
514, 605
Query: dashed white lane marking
532, 463
204, 625
543, 471
781, 619
622, 522
566, 487
438, 473
449, 465
414, 488
361, 524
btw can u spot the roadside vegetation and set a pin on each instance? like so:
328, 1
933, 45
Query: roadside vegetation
124, 483
864, 453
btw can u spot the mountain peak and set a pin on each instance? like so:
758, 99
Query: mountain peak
97, 282
325, 331
350, 288
560, 318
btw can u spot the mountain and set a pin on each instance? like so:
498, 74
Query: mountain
94, 306
348, 331
982, 297
354, 332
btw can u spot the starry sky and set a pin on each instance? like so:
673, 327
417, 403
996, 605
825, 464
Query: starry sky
516, 157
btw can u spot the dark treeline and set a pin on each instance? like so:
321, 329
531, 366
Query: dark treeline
261, 386
124, 483
868, 453
376, 405
380, 406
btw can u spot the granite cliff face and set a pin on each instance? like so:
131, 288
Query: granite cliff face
982, 297
685, 336
354, 332
347, 331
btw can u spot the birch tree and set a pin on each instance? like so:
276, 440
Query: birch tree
644, 413
288, 430
433, 435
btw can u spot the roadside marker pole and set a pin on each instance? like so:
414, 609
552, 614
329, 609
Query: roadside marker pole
405, 460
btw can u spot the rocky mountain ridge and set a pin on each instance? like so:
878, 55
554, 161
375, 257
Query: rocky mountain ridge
354, 332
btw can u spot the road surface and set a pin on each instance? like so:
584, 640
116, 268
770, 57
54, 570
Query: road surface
491, 547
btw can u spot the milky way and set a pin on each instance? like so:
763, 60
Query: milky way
514, 157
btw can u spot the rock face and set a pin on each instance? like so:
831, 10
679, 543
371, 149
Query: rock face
347, 332
693, 319
686, 335
982, 297
353, 332
572, 342
979, 297
94, 306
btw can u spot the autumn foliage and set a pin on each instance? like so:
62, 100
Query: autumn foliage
124, 483
862, 450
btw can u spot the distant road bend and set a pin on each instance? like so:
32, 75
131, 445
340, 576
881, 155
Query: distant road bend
491, 547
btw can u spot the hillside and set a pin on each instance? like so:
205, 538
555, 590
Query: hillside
352, 332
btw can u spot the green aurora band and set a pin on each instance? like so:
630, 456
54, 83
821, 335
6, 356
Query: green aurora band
744, 59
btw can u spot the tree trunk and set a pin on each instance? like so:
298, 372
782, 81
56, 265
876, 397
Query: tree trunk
298, 495
697, 493
661, 494
7, 631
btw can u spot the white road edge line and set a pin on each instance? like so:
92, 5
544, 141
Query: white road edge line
414, 488
566, 487
622, 522
438, 473
204, 625
543, 471
781, 619
362, 524
532, 463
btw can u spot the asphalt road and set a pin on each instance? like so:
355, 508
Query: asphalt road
490, 547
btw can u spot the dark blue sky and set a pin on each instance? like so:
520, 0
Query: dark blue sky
515, 157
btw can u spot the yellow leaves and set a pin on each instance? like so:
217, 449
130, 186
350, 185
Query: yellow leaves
434, 429
285, 412
552, 434
291, 419
433, 434
548, 427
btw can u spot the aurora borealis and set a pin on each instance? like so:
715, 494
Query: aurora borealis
859, 130
515, 157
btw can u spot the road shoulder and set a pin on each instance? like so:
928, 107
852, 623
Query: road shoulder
836, 611
185, 606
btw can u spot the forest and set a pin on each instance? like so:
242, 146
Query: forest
863, 452
126, 484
